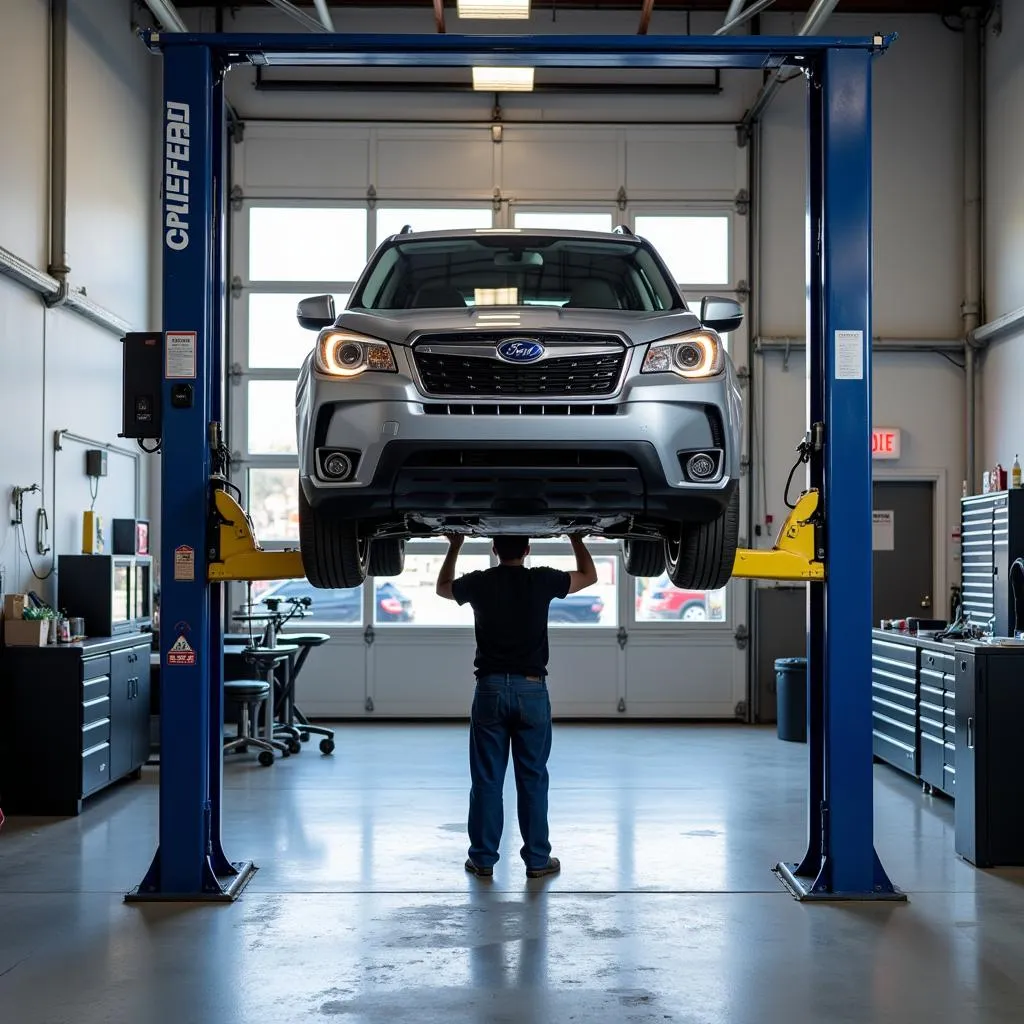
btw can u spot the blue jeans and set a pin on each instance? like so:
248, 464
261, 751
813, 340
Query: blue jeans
509, 712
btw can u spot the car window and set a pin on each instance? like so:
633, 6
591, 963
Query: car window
488, 269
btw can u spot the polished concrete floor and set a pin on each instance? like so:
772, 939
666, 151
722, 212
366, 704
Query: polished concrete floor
361, 912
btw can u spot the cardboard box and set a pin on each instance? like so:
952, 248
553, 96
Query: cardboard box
15, 605
26, 632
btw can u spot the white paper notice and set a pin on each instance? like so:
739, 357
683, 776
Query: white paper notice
849, 355
180, 355
883, 530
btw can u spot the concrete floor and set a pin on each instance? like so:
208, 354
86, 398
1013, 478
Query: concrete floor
666, 909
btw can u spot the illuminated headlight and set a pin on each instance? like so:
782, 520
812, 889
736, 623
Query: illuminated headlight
343, 354
690, 355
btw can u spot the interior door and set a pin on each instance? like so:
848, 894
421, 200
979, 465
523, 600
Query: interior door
904, 550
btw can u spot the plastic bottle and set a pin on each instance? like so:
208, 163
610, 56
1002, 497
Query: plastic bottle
1015, 472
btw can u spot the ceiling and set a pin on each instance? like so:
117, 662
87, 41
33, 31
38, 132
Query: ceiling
848, 6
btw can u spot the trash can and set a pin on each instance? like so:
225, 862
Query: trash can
791, 699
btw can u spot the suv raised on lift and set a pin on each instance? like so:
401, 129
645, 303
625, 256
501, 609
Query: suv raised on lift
530, 382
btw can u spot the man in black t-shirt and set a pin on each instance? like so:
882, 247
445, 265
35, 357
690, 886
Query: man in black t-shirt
511, 709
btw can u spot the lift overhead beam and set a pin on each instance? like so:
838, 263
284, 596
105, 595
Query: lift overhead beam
830, 542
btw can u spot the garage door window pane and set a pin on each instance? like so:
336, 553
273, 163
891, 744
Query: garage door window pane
328, 607
696, 249
410, 598
295, 243
276, 341
271, 417
595, 606
657, 600
564, 221
391, 221
274, 503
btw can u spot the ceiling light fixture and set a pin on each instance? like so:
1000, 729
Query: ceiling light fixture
503, 79
493, 9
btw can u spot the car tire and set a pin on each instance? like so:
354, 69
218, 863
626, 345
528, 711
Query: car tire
702, 555
387, 557
643, 558
693, 612
335, 556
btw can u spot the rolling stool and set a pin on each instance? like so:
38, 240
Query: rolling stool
306, 642
266, 659
249, 694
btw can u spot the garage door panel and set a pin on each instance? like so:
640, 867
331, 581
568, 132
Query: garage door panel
333, 679
282, 161
569, 164
415, 166
681, 165
678, 677
413, 674
583, 675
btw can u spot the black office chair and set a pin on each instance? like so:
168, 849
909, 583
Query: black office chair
287, 708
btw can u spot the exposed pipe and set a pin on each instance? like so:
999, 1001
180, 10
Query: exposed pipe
167, 15
819, 13
970, 311
324, 15
735, 6
743, 17
23, 272
439, 16
645, 17
296, 14
1008, 323
58, 260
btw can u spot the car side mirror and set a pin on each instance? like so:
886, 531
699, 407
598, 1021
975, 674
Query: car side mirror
316, 312
722, 315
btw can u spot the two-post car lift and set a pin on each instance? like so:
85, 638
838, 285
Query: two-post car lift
207, 538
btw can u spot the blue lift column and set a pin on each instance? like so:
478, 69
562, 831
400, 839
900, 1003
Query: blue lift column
189, 864
840, 862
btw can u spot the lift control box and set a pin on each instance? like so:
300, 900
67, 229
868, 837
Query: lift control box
143, 360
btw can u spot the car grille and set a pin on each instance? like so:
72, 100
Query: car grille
513, 409
583, 375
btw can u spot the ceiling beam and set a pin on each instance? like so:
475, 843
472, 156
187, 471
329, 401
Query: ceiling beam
743, 17
166, 15
439, 15
296, 14
645, 17
324, 14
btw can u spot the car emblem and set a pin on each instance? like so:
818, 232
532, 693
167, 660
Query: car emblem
520, 350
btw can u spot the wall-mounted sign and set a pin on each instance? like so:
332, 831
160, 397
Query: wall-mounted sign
885, 442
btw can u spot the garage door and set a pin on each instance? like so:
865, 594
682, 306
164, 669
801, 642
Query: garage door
311, 204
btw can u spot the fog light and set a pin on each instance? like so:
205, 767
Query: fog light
701, 466
337, 466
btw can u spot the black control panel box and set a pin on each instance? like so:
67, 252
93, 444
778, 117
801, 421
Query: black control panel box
143, 384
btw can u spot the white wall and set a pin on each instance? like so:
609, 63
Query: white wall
1002, 377
58, 371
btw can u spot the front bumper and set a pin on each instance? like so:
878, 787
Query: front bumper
618, 456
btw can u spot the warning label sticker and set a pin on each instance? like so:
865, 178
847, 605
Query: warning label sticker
180, 355
181, 653
184, 564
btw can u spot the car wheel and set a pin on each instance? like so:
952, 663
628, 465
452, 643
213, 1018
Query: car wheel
335, 555
643, 558
702, 555
694, 612
387, 557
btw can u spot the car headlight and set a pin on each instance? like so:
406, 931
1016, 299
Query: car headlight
690, 355
344, 354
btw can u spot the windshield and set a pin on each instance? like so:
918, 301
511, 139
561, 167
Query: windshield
516, 270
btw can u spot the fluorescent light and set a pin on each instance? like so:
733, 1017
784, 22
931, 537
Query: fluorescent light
503, 79
496, 296
493, 9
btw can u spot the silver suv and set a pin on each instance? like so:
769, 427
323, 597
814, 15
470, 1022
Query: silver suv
531, 382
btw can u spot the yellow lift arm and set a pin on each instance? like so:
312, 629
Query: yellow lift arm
238, 555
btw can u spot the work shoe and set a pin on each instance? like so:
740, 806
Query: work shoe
476, 869
553, 866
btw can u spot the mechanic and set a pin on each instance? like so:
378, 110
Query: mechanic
511, 708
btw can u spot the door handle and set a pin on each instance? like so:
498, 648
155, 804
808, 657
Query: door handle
970, 733
927, 602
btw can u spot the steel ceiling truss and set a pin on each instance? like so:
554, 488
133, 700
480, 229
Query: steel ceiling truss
839, 861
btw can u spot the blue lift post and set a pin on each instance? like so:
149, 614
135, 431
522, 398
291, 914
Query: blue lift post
840, 861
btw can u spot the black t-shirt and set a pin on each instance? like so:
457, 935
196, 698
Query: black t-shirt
510, 605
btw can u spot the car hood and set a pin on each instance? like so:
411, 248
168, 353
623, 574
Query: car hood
402, 327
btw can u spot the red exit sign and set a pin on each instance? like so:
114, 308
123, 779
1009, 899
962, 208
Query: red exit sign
885, 443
